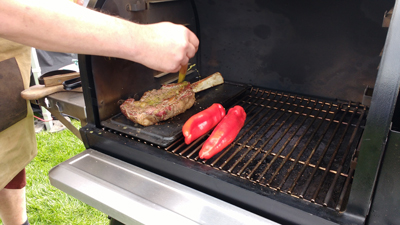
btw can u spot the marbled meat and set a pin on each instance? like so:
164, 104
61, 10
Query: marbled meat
159, 104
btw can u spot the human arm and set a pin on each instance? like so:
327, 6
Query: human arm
63, 26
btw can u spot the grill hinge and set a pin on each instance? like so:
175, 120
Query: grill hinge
136, 5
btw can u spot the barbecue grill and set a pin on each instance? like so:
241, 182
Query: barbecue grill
319, 142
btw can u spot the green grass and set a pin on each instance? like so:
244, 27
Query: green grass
45, 203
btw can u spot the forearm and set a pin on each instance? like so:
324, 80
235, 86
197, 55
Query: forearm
62, 26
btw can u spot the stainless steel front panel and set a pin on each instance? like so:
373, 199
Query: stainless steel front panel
132, 195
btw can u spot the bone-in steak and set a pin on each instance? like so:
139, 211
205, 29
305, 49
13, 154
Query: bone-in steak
158, 105
168, 101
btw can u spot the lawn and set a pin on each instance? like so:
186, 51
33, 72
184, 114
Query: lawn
45, 203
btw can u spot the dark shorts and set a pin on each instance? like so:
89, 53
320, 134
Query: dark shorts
18, 182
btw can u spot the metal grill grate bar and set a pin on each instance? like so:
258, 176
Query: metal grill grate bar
330, 191
302, 151
331, 160
320, 159
240, 137
297, 145
292, 150
251, 136
307, 162
284, 145
251, 147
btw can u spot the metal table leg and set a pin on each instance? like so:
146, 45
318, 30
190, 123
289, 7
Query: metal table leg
67, 103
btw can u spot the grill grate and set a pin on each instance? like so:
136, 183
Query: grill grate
297, 145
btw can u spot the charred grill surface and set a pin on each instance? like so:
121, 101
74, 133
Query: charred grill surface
304, 147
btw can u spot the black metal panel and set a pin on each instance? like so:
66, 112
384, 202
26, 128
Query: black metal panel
396, 116
318, 48
89, 93
386, 202
379, 122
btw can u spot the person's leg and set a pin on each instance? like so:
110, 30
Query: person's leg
13, 202
13, 206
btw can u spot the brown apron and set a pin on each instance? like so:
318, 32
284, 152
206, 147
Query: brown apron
17, 133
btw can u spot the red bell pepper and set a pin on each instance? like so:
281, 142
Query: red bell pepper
202, 122
224, 133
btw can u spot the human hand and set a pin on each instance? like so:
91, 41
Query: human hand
165, 46
79, 2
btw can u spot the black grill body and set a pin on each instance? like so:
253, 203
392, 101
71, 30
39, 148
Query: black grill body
304, 71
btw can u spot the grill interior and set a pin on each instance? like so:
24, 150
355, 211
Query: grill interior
301, 149
297, 145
